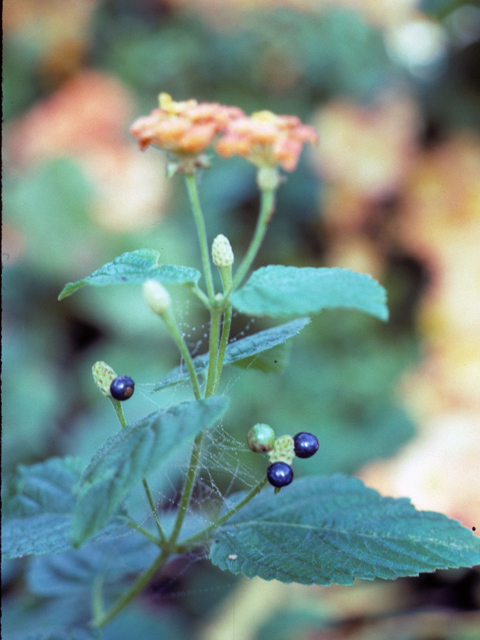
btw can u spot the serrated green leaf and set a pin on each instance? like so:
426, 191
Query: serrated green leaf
135, 267
75, 571
70, 633
246, 348
262, 341
278, 291
321, 530
272, 361
132, 454
38, 504
42, 488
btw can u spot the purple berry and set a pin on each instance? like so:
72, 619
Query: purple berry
279, 474
306, 445
122, 388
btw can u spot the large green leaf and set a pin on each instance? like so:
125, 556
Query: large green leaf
76, 570
246, 348
135, 267
66, 633
291, 291
38, 504
132, 454
325, 529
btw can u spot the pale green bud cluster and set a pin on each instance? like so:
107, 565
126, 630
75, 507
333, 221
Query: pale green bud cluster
156, 296
261, 438
103, 375
222, 254
283, 450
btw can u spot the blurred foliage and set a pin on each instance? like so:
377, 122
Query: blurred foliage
344, 370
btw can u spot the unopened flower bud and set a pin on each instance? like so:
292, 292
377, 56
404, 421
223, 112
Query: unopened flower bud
157, 297
261, 438
103, 376
283, 450
222, 254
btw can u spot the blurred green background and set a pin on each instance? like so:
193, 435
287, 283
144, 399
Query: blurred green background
393, 189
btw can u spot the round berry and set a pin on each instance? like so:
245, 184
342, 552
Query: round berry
122, 388
306, 445
279, 474
261, 438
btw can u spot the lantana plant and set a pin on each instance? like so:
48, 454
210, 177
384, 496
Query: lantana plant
315, 530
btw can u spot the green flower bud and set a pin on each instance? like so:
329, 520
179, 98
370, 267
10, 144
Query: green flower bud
222, 254
103, 376
261, 438
283, 450
157, 297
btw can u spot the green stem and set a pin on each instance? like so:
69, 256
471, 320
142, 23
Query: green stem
139, 584
188, 486
191, 182
266, 211
123, 423
117, 405
172, 325
198, 442
97, 597
226, 275
199, 293
154, 510
204, 532
136, 527
215, 316
227, 323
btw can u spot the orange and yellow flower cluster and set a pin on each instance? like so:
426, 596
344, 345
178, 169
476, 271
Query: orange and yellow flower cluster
189, 128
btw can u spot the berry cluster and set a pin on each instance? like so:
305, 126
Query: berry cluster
281, 451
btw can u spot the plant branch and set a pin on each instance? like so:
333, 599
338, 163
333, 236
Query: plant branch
172, 325
191, 182
215, 316
227, 323
266, 211
187, 487
139, 584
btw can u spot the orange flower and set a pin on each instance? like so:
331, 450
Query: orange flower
183, 127
266, 140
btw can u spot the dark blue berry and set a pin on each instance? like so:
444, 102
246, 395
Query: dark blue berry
279, 474
122, 388
306, 444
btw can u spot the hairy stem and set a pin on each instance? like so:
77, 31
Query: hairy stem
136, 527
188, 487
191, 182
227, 323
267, 206
180, 342
215, 316
139, 584
153, 509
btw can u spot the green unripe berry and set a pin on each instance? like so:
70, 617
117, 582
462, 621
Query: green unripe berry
261, 438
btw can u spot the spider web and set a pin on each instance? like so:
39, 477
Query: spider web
220, 474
